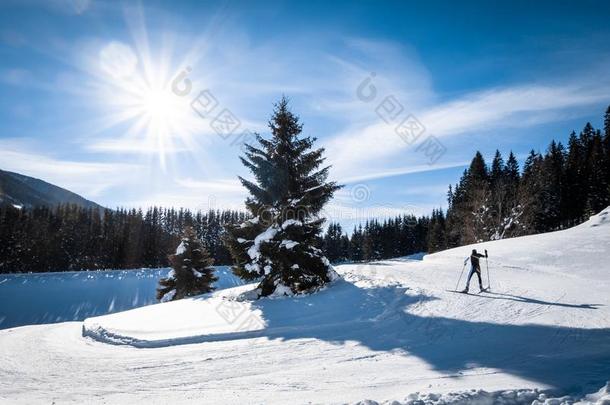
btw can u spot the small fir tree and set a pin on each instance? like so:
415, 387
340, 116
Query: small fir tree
278, 245
191, 272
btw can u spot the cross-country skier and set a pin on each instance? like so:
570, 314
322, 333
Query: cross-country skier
475, 267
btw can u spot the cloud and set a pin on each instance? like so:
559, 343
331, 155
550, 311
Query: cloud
359, 148
190, 199
517, 106
224, 186
383, 173
135, 146
89, 179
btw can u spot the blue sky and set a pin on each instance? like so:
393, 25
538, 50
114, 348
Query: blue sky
86, 96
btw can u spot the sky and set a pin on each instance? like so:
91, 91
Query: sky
135, 104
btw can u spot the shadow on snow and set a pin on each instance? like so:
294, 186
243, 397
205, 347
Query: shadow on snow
576, 359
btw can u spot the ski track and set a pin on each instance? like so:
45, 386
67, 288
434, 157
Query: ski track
402, 333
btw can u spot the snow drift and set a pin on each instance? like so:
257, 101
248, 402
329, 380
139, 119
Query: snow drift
77, 295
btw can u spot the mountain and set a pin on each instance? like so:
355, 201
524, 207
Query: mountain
25, 191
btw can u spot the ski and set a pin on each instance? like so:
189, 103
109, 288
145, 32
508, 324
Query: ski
460, 292
468, 292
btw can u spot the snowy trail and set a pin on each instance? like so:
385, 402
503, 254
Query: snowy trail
388, 330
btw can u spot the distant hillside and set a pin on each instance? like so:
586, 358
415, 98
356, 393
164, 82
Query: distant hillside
26, 191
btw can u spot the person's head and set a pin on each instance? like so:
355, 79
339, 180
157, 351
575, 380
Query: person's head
474, 251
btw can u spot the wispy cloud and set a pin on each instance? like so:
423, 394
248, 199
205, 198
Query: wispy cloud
135, 146
224, 186
87, 178
375, 143
399, 171
518, 106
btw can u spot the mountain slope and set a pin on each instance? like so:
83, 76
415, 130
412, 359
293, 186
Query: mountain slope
25, 191
385, 331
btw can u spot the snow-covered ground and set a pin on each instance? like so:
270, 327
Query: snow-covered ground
35, 298
388, 331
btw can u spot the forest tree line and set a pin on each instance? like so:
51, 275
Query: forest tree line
402, 235
70, 237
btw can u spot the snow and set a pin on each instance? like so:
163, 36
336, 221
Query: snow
386, 331
181, 248
169, 296
291, 222
72, 296
249, 222
288, 244
264, 236
507, 397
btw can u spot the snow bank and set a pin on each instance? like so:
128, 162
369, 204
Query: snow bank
229, 314
506, 397
36, 298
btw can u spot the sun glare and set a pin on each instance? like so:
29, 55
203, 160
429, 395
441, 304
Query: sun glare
157, 103
138, 91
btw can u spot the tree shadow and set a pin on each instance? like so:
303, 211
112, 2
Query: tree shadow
518, 298
573, 359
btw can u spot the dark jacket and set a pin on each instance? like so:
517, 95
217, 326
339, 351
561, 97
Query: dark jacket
474, 260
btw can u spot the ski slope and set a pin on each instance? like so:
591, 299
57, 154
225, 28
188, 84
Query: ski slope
386, 331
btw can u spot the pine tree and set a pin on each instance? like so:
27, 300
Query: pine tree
606, 142
289, 191
552, 185
472, 203
333, 243
436, 234
499, 195
356, 244
598, 197
574, 184
191, 272
531, 196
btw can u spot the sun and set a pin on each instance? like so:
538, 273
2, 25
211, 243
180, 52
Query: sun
162, 111
137, 89
157, 103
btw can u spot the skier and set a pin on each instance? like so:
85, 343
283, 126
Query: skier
475, 267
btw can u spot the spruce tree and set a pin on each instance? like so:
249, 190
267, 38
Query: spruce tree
597, 195
499, 193
278, 245
191, 272
333, 243
552, 181
606, 144
472, 203
575, 185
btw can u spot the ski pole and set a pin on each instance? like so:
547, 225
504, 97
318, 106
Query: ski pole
487, 264
460, 279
